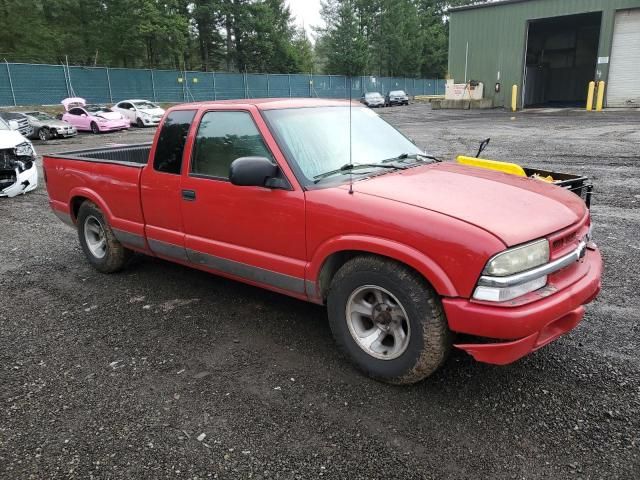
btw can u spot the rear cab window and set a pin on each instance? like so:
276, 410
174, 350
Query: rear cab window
171, 142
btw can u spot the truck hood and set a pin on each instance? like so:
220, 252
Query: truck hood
514, 209
10, 139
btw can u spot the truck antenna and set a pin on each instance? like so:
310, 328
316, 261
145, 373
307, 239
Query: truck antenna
350, 138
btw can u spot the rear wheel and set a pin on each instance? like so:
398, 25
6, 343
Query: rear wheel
98, 242
388, 320
94, 128
44, 134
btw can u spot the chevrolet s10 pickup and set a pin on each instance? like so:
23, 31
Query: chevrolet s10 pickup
326, 202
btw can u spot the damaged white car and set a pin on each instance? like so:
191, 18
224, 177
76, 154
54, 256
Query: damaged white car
18, 171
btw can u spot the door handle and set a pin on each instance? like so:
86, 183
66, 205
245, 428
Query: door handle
189, 195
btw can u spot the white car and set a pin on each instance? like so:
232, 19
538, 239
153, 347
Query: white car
18, 172
141, 113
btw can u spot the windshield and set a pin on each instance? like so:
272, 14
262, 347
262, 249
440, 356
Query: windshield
373, 95
145, 105
398, 93
3, 125
39, 116
97, 109
317, 139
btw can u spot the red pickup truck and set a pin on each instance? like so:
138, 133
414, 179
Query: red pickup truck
328, 203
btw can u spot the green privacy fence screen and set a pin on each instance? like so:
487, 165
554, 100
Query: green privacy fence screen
29, 84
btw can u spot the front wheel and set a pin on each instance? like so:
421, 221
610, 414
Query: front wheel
388, 320
44, 134
139, 123
94, 128
100, 246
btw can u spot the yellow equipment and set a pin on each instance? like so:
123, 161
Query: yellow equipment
510, 168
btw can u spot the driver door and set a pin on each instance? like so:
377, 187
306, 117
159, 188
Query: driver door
254, 234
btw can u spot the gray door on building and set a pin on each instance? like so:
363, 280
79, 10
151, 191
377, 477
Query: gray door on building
624, 70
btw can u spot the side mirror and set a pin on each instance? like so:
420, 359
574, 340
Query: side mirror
84, 115
132, 109
13, 125
253, 172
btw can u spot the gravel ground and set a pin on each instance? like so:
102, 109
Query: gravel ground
166, 372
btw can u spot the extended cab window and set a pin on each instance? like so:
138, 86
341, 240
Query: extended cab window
222, 138
170, 147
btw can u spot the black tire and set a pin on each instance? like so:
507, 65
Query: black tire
429, 340
139, 123
116, 255
94, 128
44, 134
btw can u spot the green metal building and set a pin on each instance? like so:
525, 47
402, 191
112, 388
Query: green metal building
551, 49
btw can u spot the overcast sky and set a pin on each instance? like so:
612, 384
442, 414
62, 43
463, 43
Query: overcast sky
307, 12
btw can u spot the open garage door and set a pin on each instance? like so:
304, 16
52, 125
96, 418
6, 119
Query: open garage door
561, 58
624, 71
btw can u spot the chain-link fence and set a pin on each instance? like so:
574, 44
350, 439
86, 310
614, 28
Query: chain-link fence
28, 84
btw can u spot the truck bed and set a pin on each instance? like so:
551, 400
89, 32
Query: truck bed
128, 155
109, 177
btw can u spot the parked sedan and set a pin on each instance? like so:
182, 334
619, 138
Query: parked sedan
23, 126
141, 113
92, 118
372, 100
45, 126
397, 97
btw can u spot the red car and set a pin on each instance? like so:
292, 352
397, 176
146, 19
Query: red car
328, 203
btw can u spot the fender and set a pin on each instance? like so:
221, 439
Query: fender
90, 195
117, 223
427, 267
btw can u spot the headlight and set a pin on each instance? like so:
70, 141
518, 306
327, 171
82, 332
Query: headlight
24, 150
505, 278
518, 259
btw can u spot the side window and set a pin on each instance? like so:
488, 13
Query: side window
76, 111
222, 138
170, 147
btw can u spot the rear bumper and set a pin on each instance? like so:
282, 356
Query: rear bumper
528, 327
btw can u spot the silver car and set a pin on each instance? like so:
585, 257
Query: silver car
372, 99
45, 126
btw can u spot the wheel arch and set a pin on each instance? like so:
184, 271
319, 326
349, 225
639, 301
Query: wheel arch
79, 196
332, 255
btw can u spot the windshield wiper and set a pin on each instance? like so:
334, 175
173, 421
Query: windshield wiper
415, 156
350, 167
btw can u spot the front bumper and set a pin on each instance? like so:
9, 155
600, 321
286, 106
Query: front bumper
528, 327
66, 133
110, 127
151, 122
25, 181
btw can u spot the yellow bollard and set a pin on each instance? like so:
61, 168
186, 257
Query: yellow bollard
592, 87
514, 98
600, 100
